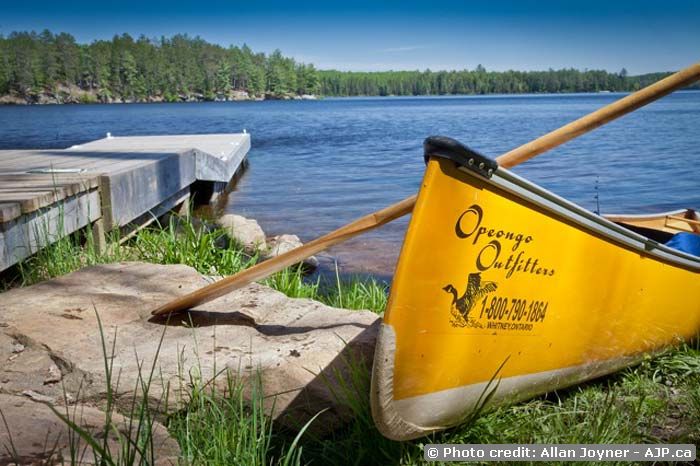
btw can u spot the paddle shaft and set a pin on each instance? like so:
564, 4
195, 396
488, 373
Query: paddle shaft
292, 257
381, 217
683, 219
600, 117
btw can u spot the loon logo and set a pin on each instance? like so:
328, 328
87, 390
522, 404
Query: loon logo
461, 305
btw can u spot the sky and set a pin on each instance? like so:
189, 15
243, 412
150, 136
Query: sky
641, 36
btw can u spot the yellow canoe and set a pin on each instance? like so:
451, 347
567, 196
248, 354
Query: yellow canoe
669, 222
508, 290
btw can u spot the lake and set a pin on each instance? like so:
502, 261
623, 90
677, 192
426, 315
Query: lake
316, 165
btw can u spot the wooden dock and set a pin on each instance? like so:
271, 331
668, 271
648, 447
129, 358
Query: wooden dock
116, 182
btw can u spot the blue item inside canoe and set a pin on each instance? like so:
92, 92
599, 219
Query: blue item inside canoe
686, 242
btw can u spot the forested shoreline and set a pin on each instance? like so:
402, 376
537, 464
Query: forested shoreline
54, 68
481, 81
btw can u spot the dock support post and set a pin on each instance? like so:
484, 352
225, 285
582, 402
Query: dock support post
99, 236
183, 210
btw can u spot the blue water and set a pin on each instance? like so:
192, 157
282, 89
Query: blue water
316, 165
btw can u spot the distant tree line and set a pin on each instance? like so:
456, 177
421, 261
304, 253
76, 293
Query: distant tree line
125, 67
480, 81
185, 68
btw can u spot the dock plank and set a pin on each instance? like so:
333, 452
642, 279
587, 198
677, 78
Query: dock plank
71, 187
126, 179
88, 181
88, 162
30, 201
9, 211
35, 191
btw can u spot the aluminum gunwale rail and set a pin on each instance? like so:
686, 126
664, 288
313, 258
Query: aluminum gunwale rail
528, 191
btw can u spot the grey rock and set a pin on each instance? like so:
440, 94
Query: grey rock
298, 349
28, 370
239, 95
17, 348
43, 99
284, 243
245, 231
38, 396
10, 99
53, 375
36, 435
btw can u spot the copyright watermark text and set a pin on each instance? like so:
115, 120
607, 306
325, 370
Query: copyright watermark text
552, 452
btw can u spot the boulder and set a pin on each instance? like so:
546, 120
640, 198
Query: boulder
44, 98
34, 434
11, 99
299, 350
245, 231
284, 243
239, 95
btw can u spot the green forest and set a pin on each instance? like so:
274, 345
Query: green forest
124, 68
53, 68
480, 81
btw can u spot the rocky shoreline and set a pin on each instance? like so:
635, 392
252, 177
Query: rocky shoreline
298, 349
301, 352
248, 233
72, 94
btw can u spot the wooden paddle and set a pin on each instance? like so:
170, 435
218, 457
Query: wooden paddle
376, 219
693, 224
683, 219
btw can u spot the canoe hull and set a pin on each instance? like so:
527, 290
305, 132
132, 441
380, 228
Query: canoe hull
501, 289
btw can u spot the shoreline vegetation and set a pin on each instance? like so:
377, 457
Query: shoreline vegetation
48, 68
657, 401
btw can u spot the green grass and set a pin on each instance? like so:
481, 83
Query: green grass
655, 401
229, 428
64, 254
221, 427
182, 242
177, 242
356, 294
633, 406
347, 293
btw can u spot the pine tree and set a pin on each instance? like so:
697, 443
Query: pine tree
223, 77
276, 74
4, 67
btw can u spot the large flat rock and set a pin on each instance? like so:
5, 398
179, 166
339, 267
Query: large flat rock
34, 434
299, 349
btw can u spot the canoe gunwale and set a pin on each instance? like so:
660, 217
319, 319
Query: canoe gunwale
547, 200
632, 217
